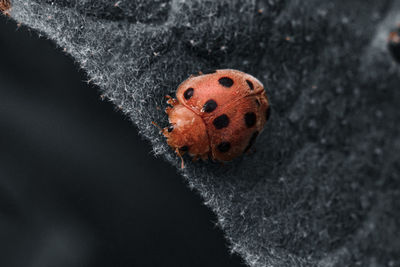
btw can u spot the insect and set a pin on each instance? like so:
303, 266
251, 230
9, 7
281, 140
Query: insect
216, 115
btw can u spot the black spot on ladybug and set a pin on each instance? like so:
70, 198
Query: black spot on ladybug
224, 147
184, 148
250, 84
225, 81
394, 44
251, 141
170, 128
258, 103
188, 93
210, 106
221, 121
250, 119
209, 71
268, 113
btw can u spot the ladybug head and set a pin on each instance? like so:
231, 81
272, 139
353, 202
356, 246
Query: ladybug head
186, 132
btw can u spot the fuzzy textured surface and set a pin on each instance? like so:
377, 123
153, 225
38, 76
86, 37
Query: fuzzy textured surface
323, 187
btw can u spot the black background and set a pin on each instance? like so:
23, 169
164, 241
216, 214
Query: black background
78, 186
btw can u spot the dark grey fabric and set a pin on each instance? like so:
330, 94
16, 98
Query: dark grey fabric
323, 186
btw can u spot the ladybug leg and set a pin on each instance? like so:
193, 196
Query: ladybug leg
168, 97
155, 124
171, 101
164, 131
179, 154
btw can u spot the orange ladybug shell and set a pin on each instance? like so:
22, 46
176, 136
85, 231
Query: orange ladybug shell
233, 107
222, 86
234, 129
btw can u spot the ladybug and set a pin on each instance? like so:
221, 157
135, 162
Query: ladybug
216, 115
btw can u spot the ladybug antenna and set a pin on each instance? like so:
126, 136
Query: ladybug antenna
179, 154
155, 124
